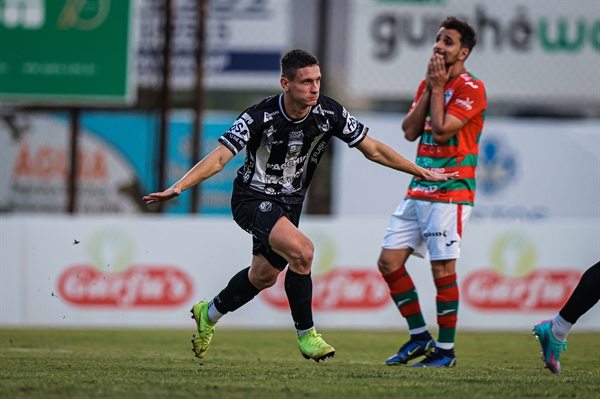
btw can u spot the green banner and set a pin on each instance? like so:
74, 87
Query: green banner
67, 51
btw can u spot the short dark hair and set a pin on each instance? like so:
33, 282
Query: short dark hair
296, 59
468, 37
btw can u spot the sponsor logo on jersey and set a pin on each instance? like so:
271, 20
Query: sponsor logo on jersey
271, 179
436, 234
296, 135
424, 189
472, 84
270, 131
317, 152
320, 111
466, 103
351, 125
269, 116
247, 118
290, 163
240, 129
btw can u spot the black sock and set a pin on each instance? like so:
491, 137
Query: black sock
585, 295
445, 352
424, 336
298, 288
238, 292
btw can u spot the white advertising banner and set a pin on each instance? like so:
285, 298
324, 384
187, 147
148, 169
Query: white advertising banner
245, 40
528, 170
537, 50
148, 271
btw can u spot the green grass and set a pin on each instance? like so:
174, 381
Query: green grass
52, 363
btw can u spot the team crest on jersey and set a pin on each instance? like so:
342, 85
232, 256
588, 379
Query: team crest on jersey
265, 206
448, 95
295, 143
325, 127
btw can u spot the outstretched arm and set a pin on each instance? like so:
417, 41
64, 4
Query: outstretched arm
380, 153
210, 165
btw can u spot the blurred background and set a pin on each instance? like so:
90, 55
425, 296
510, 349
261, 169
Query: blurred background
103, 101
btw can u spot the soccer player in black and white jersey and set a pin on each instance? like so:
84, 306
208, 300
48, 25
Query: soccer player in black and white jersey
284, 136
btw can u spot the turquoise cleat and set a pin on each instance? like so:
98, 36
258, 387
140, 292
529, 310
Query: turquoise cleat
551, 347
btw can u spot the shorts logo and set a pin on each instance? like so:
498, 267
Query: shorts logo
266, 206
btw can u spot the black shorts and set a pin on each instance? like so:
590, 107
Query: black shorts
257, 215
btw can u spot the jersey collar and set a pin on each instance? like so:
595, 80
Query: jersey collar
286, 115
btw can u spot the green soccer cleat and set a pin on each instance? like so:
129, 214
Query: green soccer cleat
206, 328
312, 346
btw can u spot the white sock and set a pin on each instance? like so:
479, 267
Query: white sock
213, 314
304, 332
445, 345
560, 327
416, 331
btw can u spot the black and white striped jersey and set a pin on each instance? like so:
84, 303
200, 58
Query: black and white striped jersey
282, 153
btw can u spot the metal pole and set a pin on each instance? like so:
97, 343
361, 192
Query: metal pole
319, 194
72, 183
165, 103
198, 97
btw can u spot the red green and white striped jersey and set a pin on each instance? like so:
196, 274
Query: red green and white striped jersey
465, 98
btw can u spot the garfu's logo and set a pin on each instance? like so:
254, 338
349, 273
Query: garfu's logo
120, 284
335, 288
517, 286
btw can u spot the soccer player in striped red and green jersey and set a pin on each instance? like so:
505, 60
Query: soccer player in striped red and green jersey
447, 115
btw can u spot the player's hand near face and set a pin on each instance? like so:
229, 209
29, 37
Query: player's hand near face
437, 73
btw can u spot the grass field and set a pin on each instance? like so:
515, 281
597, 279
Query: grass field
51, 363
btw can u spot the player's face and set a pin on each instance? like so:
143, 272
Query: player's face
447, 43
304, 88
